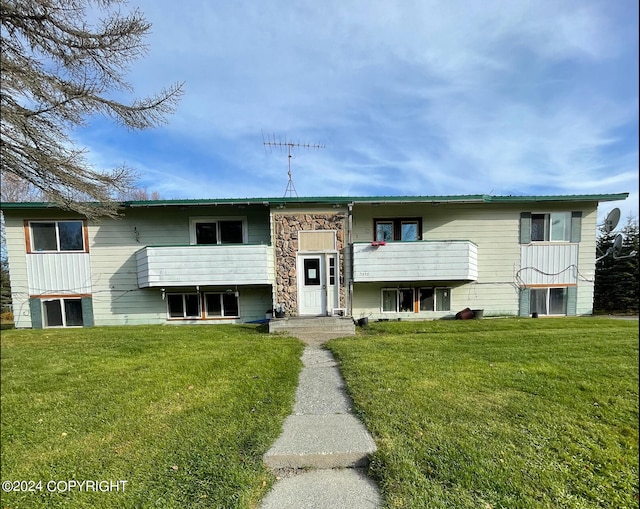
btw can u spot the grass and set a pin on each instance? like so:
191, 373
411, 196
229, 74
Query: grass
510, 413
183, 414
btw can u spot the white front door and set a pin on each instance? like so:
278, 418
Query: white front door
312, 290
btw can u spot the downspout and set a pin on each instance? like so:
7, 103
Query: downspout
349, 262
274, 241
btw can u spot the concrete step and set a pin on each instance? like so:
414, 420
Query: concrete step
321, 441
314, 325
322, 489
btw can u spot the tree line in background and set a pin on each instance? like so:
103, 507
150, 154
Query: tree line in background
617, 281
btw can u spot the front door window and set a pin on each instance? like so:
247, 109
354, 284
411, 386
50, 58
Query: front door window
312, 271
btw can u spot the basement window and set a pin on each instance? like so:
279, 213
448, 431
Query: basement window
548, 301
219, 305
62, 313
398, 300
435, 299
190, 305
183, 305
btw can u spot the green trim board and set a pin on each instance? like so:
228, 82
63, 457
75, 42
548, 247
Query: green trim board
344, 200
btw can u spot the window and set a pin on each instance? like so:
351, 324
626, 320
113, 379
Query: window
398, 300
221, 305
401, 229
62, 313
548, 301
435, 299
207, 231
57, 236
216, 305
332, 270
312, 271
426, 299
443, 299
389, 300
183, 305
555, 227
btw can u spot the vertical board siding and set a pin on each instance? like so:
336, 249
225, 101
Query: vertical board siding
59, 273
549, 264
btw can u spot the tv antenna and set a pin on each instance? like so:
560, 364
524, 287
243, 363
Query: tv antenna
273, 142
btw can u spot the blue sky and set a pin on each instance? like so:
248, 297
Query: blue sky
417, 97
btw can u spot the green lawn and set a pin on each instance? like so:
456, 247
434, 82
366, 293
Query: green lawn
183, 414
509, 413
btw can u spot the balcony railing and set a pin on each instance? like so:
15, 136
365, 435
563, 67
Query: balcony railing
227, 264
415, 261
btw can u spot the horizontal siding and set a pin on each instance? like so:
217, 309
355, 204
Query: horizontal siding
587, 262
146, 306
493, 299
59, 273
205, 265
113, 246
493, 229
415, 261
17, 258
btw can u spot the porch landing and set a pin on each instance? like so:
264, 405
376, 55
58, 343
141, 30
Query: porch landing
314, 330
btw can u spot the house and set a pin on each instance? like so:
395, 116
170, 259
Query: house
232, 260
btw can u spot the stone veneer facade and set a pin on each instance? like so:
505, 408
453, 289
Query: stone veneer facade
286, 228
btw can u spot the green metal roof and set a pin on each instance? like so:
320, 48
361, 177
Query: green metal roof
344, 200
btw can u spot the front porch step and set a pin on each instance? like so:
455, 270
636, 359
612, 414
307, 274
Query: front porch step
308, 326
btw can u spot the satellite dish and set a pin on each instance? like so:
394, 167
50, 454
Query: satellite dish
612, 220
617, 245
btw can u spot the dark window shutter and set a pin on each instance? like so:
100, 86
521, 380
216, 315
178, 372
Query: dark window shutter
525, 301
576, 225
87, 311
572, 300
35, 307
525, 227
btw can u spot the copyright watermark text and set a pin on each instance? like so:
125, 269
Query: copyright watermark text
64, 486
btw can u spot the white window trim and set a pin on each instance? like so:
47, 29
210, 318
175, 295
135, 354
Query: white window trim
57, 250
184, 307
206, 311
216, 219
64, 313
548, 299
435, 298
547, 227
397, 290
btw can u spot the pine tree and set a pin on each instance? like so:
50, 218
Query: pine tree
616, 282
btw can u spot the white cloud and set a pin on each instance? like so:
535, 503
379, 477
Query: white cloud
415, 97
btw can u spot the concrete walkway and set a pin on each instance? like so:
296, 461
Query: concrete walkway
322, 453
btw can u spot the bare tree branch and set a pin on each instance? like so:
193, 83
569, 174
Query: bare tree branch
56, 71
